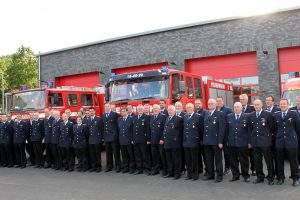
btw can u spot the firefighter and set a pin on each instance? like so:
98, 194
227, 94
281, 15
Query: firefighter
125, 135
111, 138
287, 136
180, 113
65, 143
192, 132
248, 109
19, 141
238, 139
199, 109
213, 140
140, 139
36, 139
297, 109
130, 110
55, 135
95, 141
221, 107
86, 116
6, 138
29, 144
157, 122
113, 107
48, 131
162, 104
261, 127
79, 144
147, 109
172, 141
68, 113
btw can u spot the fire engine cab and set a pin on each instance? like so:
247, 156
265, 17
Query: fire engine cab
61, 98
292, 88
171, 85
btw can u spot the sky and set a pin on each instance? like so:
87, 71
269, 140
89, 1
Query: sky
47, 25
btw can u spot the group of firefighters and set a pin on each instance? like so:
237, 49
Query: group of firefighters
166, 141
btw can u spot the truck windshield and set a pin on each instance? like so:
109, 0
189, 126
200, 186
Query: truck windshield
143, 88
291, 96
29, 100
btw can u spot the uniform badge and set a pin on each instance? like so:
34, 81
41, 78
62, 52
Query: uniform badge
245, 124
290, 119
263, 121
214, 122
193, 126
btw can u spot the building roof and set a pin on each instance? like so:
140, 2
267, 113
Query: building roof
162, 30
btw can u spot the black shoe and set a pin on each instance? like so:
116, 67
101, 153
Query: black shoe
177, 176
23, 166
226, 171
131, 172
98, 169
108, 170
256, 181
10, 166
205, 174
79, 169
234, 179
195, 178
218, 180
163, 173
207, 178
37, 166
92, 170
279, 182
137, 172
168, 175
154, 172
253, 173
47, 166
147, 172
118, 170
125, 171
247, 179
70, 169
295, 182
188, 177
270, 182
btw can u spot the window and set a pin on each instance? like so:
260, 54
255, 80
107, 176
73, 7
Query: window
86, 100
177, 86
233, 81
189, 88
72, 100
198, 89
253, 80
55, 99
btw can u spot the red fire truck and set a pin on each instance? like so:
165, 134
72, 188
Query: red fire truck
292, 88
172, 85
61, 98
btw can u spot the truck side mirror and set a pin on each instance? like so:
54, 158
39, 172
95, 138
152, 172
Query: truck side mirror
181, 87
107, 95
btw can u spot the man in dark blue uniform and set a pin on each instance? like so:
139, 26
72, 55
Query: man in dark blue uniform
140, 139
6, 139
270, 107
213, 140
162, 104
79, 144
247, 109
125, 138
48, 131
192, 132
297, 109
238, 138
55, 140
199, 109
29, 145
95, 141
111, 138
157, 122
287, 134
261, 127
19, 141
221, 107
172, 141
68, 113
130, 110
65, 143
36, 139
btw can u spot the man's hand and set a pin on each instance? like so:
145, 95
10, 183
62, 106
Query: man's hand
161, 142
220, 146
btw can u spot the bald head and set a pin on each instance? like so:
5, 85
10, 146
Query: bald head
189, 108
237, 107
257, 105
212, 104
171, 110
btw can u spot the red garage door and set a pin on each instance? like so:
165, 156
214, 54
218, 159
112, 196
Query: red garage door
238, 69
289, 61
91, 79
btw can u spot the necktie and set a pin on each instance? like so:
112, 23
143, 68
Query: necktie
237, 117
257, 114
155, 116
139, 116
124, 119
190, 116
283, 115
244, 108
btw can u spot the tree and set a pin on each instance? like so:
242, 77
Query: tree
22, 69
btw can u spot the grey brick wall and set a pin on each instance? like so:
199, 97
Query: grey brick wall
267, 32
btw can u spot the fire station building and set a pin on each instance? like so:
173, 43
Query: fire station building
255, 54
